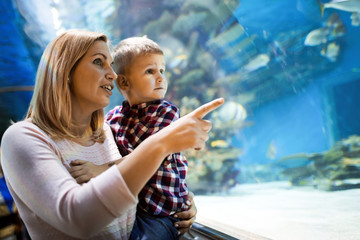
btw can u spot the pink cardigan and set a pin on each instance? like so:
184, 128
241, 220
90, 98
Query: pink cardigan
50, 202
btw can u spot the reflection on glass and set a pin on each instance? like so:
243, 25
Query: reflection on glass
283, 158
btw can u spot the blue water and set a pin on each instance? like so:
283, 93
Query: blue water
303, 102
303, 121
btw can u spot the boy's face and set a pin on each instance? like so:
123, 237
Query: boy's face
146, 79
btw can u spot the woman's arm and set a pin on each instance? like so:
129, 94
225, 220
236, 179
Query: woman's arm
40, 183
190, 131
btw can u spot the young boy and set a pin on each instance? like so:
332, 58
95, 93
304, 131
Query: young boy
139, 63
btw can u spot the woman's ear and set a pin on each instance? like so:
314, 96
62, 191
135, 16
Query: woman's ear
122, 82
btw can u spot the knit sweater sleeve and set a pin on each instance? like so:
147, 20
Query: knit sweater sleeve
39, 180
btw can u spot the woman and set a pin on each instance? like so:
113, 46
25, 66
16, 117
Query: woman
65, 123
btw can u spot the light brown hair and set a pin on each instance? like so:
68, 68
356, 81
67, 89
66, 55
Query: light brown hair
50, 107
129, 48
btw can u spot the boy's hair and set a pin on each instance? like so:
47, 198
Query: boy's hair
129, 48
50, 106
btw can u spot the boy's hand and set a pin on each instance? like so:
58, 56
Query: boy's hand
83, 171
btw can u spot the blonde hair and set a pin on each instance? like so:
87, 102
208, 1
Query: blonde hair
129, 48
50, 106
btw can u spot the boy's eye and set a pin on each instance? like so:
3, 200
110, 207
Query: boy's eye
98, 62
162, 71
149, 71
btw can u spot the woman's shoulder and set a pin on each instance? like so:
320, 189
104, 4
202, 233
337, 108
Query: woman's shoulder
108, 133
24, 137
21, 127
24, 130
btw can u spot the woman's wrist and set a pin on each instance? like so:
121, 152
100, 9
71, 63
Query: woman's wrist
159, 144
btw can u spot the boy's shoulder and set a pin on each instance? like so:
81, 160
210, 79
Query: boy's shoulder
167, 104
167, 110
113, 114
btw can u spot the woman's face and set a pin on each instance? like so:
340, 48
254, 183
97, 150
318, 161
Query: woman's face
92, 80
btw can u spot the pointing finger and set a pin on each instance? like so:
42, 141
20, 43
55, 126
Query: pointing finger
203, 110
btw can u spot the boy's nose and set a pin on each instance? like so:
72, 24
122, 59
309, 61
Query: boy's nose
160, 78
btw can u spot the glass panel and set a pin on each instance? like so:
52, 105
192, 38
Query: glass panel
283, 158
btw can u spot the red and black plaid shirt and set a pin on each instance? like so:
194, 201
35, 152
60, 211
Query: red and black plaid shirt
166, 192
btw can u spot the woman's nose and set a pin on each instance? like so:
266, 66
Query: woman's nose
111, 75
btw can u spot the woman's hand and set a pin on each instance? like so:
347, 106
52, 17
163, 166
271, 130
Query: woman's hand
187, 217
189, 131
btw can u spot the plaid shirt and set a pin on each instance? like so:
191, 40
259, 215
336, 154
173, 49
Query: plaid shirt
166, 192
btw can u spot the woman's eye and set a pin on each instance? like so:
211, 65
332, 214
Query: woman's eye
98, 62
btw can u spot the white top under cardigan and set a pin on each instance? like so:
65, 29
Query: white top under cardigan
50, 202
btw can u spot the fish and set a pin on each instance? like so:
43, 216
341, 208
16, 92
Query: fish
355, 19
294, 161
219, 144
232, 112
259, 61
338, 31
317, 36
227, 37
271, 151
179, 61
333, 20
343, 5
330, 51
333, 29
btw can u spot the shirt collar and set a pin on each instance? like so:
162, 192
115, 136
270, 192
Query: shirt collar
136, 107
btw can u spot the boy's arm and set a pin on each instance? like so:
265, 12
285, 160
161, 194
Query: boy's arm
83, 171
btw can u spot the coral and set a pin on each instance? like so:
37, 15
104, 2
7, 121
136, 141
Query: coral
336, 169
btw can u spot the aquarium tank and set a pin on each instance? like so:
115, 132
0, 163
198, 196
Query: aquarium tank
283, 157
